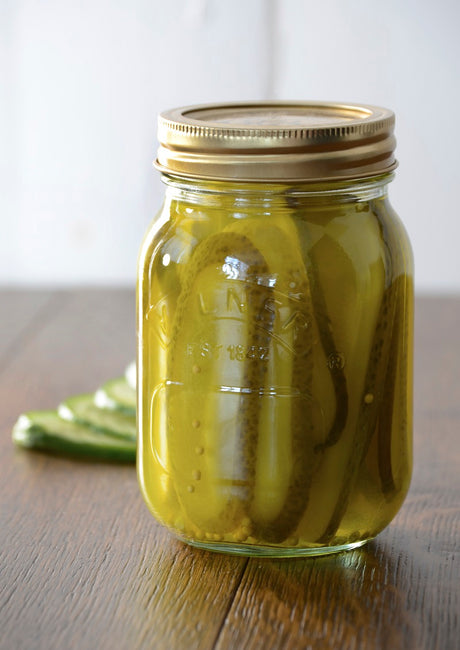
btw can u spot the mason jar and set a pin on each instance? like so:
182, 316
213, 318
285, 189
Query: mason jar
275, 329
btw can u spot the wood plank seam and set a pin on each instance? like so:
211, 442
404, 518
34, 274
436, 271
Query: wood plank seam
230, 605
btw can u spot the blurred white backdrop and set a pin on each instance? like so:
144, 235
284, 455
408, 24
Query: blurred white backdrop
83, 81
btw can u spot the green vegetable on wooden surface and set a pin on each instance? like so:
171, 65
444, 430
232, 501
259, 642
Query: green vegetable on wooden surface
46, 430
83, 410
100, 425
117, 395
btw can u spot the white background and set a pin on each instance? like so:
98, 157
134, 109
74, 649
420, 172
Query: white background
83, 80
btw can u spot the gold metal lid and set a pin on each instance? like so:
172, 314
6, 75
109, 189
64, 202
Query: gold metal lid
276, 141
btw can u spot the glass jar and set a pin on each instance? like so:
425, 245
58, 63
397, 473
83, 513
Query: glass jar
275, 324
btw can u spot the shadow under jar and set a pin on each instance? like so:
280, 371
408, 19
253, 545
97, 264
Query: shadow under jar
275, 325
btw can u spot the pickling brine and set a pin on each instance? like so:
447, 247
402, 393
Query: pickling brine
275, 363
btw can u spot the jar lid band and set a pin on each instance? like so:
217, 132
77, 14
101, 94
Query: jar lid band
276, 141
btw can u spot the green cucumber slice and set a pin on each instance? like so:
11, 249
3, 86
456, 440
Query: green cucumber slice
45, 430
82, 410
117, 395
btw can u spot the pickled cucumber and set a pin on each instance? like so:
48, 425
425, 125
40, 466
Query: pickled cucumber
216, 488
376, 402
286, 431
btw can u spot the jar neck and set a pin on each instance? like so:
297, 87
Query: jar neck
237, 194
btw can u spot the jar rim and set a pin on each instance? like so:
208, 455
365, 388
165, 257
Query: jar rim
276, 141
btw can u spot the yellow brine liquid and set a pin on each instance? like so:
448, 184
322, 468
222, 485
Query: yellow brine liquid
275, 397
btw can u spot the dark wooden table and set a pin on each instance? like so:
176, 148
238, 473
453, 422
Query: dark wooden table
84, 565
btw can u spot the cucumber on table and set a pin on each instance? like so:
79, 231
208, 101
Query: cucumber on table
47, 431
117, 395
82, 409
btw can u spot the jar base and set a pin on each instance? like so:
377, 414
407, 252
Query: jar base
247, 550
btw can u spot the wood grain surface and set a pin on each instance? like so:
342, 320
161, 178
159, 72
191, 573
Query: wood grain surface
84, 565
